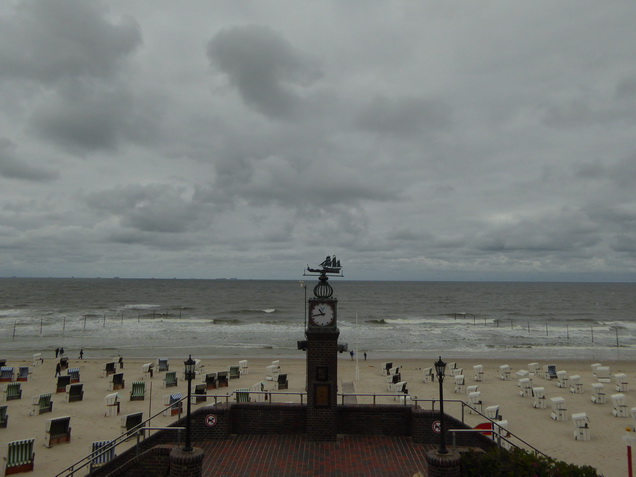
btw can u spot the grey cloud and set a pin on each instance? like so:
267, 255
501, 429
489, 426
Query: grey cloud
46, 41
13, 167
265, 68
150, 208
405, 116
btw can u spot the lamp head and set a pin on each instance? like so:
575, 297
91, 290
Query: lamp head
440, 367
189, 367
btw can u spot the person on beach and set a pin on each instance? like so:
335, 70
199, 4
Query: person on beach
61, 351
58, 370
365, 355
352, 354
121, 362
57, 352
81, 356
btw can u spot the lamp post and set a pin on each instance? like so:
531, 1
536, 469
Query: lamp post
440, 368
189, 375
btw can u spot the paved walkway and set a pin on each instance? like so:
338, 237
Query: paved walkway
294, 455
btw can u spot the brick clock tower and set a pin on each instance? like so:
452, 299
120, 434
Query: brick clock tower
322, 356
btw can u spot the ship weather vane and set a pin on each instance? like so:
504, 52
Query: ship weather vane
330, 266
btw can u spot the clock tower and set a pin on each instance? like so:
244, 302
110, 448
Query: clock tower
322, 356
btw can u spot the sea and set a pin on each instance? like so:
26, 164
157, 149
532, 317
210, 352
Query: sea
266, 318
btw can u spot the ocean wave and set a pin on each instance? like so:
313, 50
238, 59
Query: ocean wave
378, 321
141, 306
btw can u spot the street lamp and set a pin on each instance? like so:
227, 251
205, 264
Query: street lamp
189, 375
440, 367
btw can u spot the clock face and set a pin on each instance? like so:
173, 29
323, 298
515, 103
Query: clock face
321, 314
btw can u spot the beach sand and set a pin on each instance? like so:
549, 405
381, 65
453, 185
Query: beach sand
606, 450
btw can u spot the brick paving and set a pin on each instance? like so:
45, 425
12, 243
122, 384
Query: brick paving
294, 455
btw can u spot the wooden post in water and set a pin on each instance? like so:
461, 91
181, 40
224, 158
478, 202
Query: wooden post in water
616, 329
567, 331
84, 322
592, 328
528, 326
14, 324
64, 326
104, 325
122, 318
546, 329
40, 326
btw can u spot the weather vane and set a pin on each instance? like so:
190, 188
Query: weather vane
330, 266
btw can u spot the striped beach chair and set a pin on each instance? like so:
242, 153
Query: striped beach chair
20, 457
138, 392
41, 404
74, 392
170, 380
6, 374
23, 374
4, 417
131, 423
57, 431
173, 403
74, 373
101, 453
12, 391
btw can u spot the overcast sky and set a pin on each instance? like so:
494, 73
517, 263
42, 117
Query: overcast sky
416, 140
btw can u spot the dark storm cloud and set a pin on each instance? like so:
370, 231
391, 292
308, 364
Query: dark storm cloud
46, 41
265, 68
12, 167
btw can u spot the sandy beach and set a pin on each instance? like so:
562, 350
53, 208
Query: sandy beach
606, 450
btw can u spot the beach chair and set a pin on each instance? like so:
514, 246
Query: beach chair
210, 381
23, 374
198, 366
539, 397
504, 372
109, 368
147, 370
37, 359
112, 404
116, 382
576, 386
102, 452
74, 392
395, 370
221, 379
6, 374
558, 409
57, 430
598, 393
478, 371
257, 391
234, 372
471, 389
243, 367
474, 401
131, 424
450, 366
4, 417
460, 386
282, 382
170, 380
162, 364
63, 363
581, 426
522, 373
620, 407
384, 369
534, 368
632, 413
199, 395
391, 380
41, 404
74, 373
62, 382
12, 391
173, 404
428, 375
501, 434
271, 372
562, 379
526, 387
457, 372
620, 380
400, 390
492, 412
242, 395
138, 391
20, 457
549, 371
603, 374
594, 366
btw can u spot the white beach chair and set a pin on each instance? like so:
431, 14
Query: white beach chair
147, 371
504, 372
620, 407
400, 390
539, 397
271, 372
112, 404
603, 374
534, 369
457, 371
526, 387
243, 366
632, 413
474, 400
501, 433
594, 366
492, 412
523, 373
598, 393
478, 370
581, 426
428, 375
620, 380
459, 384
394, 370
562, 379
384, 369
37, 359
471, 389
576, 387
558, 409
